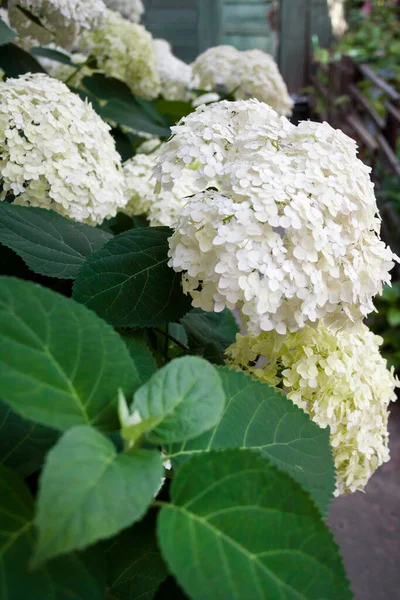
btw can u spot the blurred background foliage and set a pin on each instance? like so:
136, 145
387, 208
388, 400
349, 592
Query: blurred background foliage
372, 37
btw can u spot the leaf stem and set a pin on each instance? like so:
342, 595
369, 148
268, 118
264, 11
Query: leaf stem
173, 339
77, 70
159, 504
166, 344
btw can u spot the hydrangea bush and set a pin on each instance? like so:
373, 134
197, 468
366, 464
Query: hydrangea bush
147, 448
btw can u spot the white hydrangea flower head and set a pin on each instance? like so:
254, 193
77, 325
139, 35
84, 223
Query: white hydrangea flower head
175, 75
340, 380
56, 152
260, 78
213, 137
62, 20
246, 74
132, 10
160, 208
217, 67
291, 234
124, 50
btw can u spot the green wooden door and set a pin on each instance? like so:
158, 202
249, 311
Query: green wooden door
299, 20
245, 25
191, 26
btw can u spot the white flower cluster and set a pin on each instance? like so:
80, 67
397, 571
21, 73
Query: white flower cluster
339, 379
246, 74
217, 67
56, 152
160, 208
175, 75
124, 50
291, 235
129, 9
62, 20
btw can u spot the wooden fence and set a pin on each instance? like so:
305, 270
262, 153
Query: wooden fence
345, 105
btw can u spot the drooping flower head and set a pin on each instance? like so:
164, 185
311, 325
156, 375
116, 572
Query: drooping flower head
56, 152
175, 75
246, 74
62, 20
129, 9
340, 380
124, 50
160, 208
289, 233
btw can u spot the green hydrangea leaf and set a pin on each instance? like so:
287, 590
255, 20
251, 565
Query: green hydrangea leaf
60, 365
88, 492
128, 281
144, 361
259, 417
210, 333
237, 527
179, 402
49, 243
6, 33
72, 577
23, 443
135, 565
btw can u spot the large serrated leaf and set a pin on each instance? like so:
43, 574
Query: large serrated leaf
6, 33
49, 243
53, 54
259, 417
135, 566
237, 527
144, 361
23, 443
128, 281
207, 329
67, 578
88, 492
15, 61
60, 365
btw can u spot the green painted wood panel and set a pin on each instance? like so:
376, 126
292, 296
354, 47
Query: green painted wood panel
190, 26
243, 42
300, 19
321, 22
245, 25
246, 19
